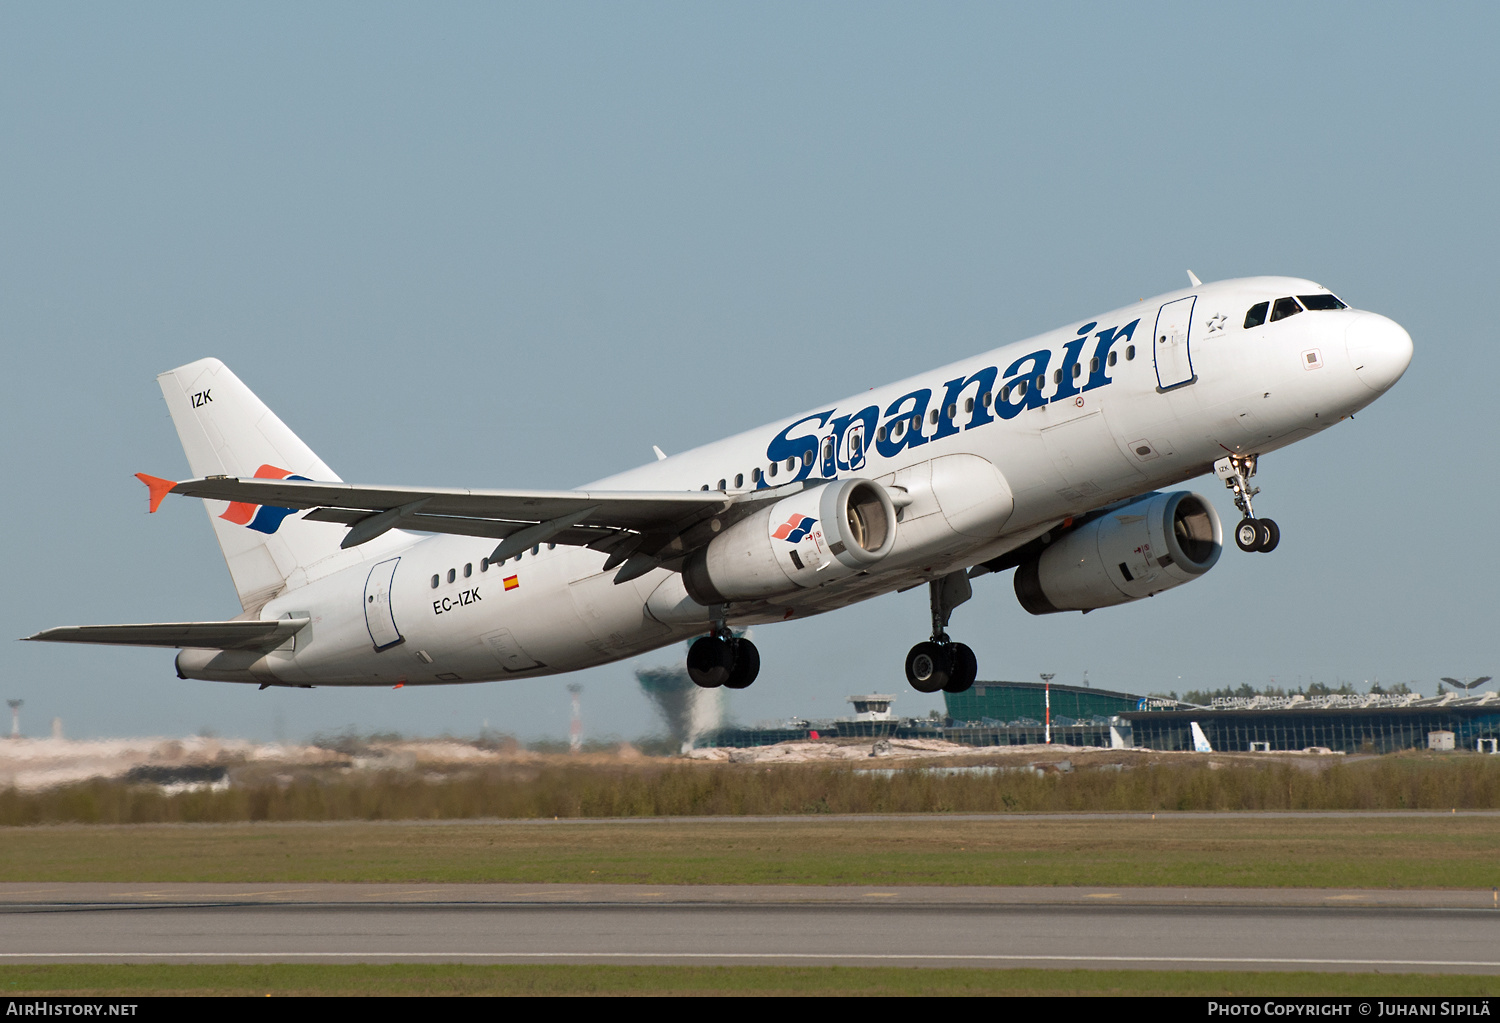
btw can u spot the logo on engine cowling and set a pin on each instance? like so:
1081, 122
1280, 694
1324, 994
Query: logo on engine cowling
794, 529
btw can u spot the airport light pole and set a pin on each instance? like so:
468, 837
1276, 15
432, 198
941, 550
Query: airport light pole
575, 728
1047, 677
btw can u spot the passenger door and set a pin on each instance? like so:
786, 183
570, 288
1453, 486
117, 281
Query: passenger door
1171, 344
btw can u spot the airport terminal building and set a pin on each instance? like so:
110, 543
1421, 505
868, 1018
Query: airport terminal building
1020, 713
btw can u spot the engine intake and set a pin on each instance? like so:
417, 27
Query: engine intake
1134, 551
808, 539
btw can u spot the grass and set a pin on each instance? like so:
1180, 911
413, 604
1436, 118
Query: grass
1392, 852
666, 789
451, 979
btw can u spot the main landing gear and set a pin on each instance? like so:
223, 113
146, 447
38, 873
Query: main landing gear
722, 659
1252, 534
940, 664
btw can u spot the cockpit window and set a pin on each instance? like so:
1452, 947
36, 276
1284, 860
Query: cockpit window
1315, 303
1257, 315
1285, 307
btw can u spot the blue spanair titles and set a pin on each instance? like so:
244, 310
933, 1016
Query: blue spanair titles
835, 441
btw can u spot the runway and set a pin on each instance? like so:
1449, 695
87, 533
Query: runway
1124, 928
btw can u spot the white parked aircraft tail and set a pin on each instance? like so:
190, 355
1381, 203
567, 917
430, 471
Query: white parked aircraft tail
226, 430
1200, 741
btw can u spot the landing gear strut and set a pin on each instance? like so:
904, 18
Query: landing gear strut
940, 664
721, 658
1252, 534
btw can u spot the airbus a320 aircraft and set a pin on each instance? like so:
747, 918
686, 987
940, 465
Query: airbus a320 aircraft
1044, 456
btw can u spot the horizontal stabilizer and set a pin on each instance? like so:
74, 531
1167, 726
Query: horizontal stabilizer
249, 635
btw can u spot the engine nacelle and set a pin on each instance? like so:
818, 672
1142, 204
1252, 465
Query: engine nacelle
810, 538
1134, 551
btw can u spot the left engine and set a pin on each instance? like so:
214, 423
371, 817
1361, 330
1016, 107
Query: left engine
1133, 551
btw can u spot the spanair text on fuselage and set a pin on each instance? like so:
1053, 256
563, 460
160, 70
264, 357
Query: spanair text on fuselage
985, 454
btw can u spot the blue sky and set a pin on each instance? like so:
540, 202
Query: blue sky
496, 245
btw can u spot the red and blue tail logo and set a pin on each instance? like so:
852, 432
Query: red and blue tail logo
794, 529
261, 517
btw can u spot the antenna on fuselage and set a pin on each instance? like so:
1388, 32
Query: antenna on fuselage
1194, 278
661, 456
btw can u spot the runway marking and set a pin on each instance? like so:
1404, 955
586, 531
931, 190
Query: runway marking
874, 956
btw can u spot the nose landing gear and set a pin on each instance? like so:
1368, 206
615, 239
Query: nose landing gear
940, 664
1252, 534
722, 659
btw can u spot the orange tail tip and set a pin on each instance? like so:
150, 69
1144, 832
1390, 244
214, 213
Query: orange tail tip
159, 488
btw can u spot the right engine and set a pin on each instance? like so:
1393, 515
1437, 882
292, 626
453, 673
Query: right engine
1134, 551
812, 537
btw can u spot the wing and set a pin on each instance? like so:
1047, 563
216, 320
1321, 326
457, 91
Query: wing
248, 635
641, 530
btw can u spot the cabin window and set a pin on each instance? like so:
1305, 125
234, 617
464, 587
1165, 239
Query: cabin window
856, 444
452, 574
828, 451
773, 468
1077, 371
880, 434
484, 564
704, 487
1114, 357
897, 429
1283, 308
968, 405
536, 550
1318, 303
723, 484
1129, 352
1057, 376
434, 582
755, 475
916, 422
739, 480
1257, 315
468, 569
552, 546
1093, 365
1005, 393
1021, 387
987, 399
933, 415
953, 410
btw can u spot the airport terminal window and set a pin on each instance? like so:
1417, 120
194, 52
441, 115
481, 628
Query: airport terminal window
1257, 315
1318, 303
1283, 308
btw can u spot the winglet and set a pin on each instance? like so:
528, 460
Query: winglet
159, 488
1194, 278
661, 456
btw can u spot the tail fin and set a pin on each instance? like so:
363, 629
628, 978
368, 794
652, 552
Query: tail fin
225, 429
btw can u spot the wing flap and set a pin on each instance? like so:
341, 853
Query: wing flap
251, 635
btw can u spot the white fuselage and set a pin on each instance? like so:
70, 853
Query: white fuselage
1114, 406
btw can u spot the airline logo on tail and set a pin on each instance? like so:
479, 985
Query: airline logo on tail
794, 529
261, 517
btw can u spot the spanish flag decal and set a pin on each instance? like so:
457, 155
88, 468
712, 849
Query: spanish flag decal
511, 582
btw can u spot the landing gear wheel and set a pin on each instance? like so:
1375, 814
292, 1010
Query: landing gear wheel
710, 661
1247, 535
965, 669
929, 666
1270, 536
746, 665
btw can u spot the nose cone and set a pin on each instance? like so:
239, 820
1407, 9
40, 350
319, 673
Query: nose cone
1379, 349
